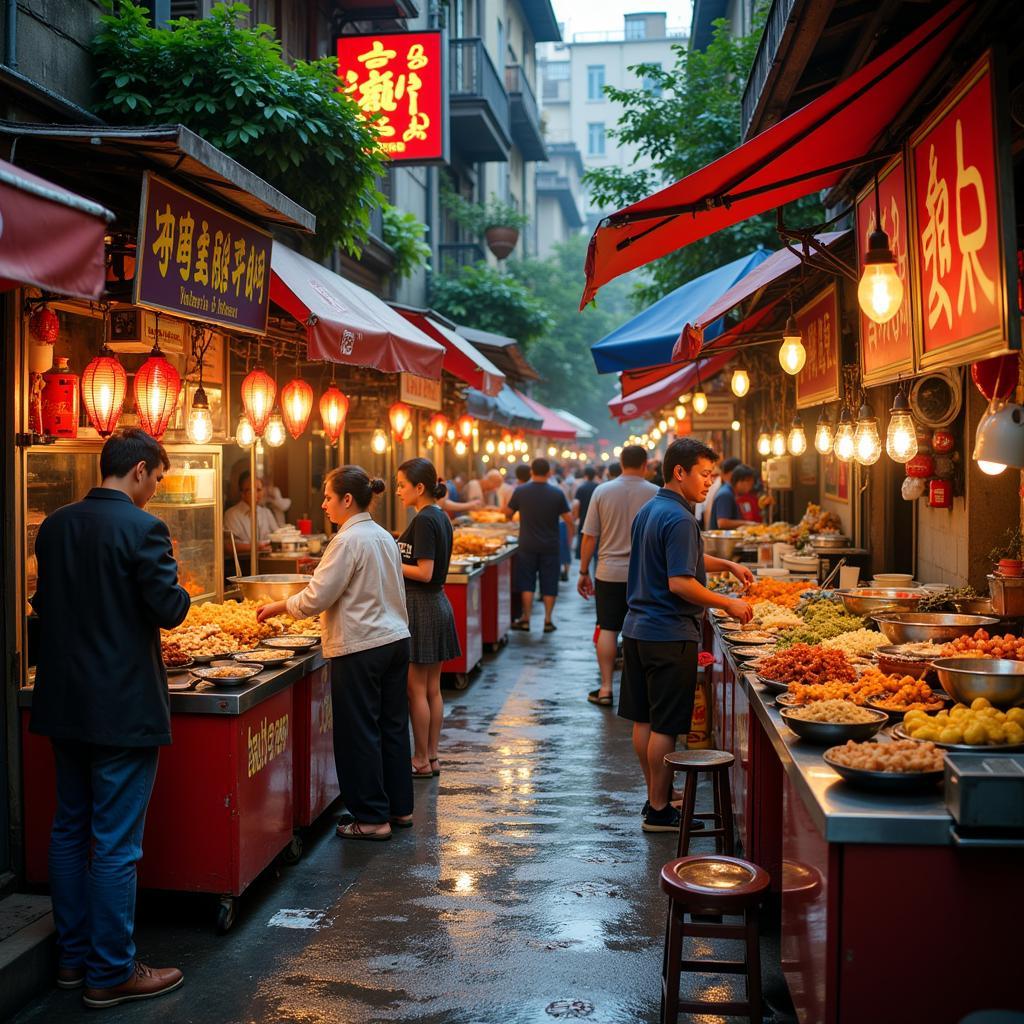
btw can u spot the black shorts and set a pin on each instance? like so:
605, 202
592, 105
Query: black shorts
612, 606
659, 682
531, 564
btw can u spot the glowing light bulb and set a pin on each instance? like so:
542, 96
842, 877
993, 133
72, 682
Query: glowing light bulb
764, 441
735, 426
525, 457
617, 450
489, 447
880, 290
792, 354
867, 445
275, 433
379, 442
200, 422
740, 383
680, 411
663, 425
485, 458
671, 422
778, 443
655, 434
796, 443
843, 446
605, 456
991, 468
460, 447
502, 448
901, 435
700, 403
823, 438
245, 436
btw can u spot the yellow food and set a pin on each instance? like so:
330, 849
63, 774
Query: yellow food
899, 756
841, 712
979, 725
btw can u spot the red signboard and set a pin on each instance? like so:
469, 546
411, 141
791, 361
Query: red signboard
818, 321
199, 262
397, 80
964, 227
887, 350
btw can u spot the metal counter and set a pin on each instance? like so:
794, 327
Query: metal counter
464, 575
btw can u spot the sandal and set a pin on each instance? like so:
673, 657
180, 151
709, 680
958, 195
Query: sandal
401, 822
521, 626
597, 697
435, 771
354, 830
549, 627
417, 774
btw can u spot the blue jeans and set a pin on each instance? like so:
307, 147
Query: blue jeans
102, 795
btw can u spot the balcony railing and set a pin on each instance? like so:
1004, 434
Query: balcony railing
473, 76
459, 254
516, 83
524, 113
480, 116
764, 60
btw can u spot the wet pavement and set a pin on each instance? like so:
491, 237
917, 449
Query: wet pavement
526, 892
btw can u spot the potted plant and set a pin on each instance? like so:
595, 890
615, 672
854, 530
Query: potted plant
1007, 557
498, 221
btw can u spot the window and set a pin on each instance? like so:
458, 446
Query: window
652, 86
595, 138
557, 71
636, 28
595, 81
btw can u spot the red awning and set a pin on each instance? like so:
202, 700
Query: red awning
50, 237
553, 425
808, 151
346, 323
461, 359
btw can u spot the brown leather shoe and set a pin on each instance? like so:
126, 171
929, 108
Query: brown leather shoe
70, 977
145, 983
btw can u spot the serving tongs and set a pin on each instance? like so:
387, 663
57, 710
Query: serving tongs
234, 551
824, 586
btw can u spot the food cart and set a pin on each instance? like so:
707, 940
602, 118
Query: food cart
463, 588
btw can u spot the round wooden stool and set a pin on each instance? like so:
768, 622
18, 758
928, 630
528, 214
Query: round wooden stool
716, 763
712, 885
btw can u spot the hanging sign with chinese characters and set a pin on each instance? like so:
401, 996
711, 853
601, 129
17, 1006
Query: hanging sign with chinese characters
422, 391
818, 321
887, 350
964, 227
397, 79
200, 262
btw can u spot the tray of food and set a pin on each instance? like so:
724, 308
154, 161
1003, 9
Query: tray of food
966, 728
806, 665
829, 722
752, 652
179, 665
751, 636
913, 660
898, 767
264, 656
299, 643
226, 673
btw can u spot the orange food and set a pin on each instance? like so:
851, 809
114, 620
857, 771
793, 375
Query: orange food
806, 665
900, 693
982, 645
778, 591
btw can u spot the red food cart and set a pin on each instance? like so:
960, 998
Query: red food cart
496, 594
464, 588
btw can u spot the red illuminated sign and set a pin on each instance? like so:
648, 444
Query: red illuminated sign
818, 321
962, 208
887, 350
397, 80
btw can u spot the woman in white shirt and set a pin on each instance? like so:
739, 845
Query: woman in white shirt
359, 593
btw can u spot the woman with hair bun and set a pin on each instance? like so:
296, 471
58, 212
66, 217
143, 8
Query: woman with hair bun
358, 592
426, 550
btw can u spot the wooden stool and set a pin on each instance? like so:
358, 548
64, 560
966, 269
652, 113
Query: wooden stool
717, 763
711, 885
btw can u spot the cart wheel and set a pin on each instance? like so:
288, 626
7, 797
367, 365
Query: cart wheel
226, 913
460, 680
293, 851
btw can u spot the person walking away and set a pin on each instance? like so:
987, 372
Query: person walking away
726, 513
508, 486
358, 591
666, 595
703, 509
426, 550
581, 503
107, 585
541, 508
606, 530
614, 470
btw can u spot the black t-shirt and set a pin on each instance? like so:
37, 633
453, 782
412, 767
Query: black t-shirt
584, 493
428, 536
539, 506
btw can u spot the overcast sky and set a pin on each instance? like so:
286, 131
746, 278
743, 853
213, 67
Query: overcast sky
606, 15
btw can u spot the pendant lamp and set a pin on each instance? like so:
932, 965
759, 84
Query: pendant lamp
104, 387
156, 388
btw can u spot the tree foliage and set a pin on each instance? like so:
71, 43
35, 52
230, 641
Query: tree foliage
404, 232
688, 119
230, 84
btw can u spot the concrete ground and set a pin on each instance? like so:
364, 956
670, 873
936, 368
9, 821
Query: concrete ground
526, 892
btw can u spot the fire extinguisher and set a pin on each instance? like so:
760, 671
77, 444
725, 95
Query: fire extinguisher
59, 401
940, 493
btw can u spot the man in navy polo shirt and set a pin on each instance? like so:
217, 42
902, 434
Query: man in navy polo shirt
661, 635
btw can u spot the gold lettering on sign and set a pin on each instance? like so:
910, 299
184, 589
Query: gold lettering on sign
270, 740
970, 242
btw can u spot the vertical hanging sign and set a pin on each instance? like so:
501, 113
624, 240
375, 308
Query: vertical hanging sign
397, 80
818, 321
964, 226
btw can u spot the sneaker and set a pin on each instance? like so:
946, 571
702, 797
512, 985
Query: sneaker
665, 820
145, 983
647, 807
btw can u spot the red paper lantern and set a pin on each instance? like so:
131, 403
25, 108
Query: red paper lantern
943, 441
400, 416
996, 377
104, 388
44, 325
438, 427
258, 393
921, 466
156, 388
296, 405
466, 426
333, 410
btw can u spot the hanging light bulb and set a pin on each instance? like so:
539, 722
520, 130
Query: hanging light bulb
156, 389
502, 448
670, 422
880, 290
489, 448
663, 425
200, 422
552, 450
700, 402
379, 442
437, 426
764, 441
792, 354
867, 445
333, 411
258, 394
735, 426
843, 446
778, 443
275, 435
245, 436
999, 441
296, 405
466, 426
104, 386
797, 440
655, 434
460, 447
399, 416
823, 434
485, 458
617, 450
901, 435
680, 411
740, 383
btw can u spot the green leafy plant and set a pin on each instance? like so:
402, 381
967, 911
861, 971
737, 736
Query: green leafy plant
476, 218
404, 232
480, 296
230, 84
1010, 545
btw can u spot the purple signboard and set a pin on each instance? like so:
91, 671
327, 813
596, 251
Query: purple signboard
197, 261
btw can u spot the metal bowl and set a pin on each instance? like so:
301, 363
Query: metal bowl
900, 733
875, 600
289, 642
999, 680
891, 662
885, 782
748, 654
829, 540
245, 673
938, 627
272, 586
834, 733
974, 606
721, 543
268, 658
772, 685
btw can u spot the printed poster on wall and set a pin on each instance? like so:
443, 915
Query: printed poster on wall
818, 381
887, 350
836, 478
964, 227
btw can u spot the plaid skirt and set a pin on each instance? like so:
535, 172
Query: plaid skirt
432, 625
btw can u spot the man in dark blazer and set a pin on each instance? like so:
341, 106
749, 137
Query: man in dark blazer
107, 584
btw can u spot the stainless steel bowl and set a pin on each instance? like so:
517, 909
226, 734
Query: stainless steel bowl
272, 586
875, 600
830, 734
829, 540
938, 627
721, 543
999, 680
974, 606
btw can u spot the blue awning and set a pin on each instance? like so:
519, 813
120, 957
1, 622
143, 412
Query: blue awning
506, 409
648, 339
